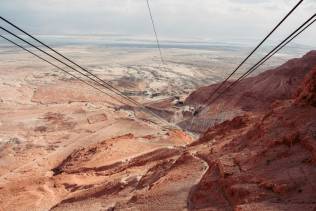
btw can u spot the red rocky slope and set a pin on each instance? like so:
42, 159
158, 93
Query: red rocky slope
257, 93
259, 161
262, 162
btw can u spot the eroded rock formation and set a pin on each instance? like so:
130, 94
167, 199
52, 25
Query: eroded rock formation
262, 159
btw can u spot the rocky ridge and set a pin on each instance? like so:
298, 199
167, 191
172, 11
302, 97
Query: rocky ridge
259, 160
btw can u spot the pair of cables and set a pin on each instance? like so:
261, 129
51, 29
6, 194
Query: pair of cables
216, 94
74, 66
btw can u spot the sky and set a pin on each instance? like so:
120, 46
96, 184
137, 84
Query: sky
209, 20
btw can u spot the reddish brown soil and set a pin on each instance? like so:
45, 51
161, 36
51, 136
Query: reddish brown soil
257, 93
257, 161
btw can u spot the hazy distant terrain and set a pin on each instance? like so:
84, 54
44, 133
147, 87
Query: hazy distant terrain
134, 65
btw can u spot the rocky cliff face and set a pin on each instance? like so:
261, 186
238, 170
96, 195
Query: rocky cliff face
307, 93
251, 95
263, 161
257, 93
257, 161
260, 160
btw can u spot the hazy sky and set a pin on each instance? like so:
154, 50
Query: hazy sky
215, 20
